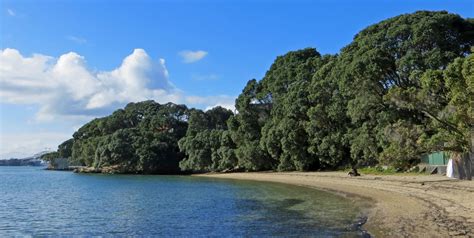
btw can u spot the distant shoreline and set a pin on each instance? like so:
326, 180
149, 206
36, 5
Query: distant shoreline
403, 206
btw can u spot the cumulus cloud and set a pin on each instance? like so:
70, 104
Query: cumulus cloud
65, 87
192, 56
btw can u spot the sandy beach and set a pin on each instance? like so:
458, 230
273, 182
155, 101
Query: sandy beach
401, 205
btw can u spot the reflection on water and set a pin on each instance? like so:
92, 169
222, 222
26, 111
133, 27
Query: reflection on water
38, 202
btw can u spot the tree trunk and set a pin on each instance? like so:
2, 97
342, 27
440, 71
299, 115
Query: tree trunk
467, 158
467, 161
470, 158
462, 164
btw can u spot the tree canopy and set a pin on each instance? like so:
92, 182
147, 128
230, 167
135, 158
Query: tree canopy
402, 88
206, 142
141, 138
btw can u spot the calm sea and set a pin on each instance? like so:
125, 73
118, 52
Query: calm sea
36, 202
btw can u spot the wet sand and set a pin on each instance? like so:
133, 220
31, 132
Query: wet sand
401, 205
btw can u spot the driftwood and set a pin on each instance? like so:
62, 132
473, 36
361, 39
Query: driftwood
353, 172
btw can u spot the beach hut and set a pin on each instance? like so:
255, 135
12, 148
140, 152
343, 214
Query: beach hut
452, 165
435, 162
436, 158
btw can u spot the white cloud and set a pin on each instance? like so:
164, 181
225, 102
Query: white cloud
76, 39
192, 56
65, 88
230, 106
210, 102
20, 145
11, 12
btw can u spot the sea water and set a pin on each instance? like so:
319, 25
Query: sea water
37, 202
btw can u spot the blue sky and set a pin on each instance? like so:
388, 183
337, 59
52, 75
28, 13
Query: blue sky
228, 42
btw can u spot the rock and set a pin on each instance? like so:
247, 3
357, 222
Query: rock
87, 170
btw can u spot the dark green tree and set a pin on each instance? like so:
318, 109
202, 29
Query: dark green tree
141, 138
401, 88
393, 54
284, 136
203, 141
253, 112
328, 123
446, 97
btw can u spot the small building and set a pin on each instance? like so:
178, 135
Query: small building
451, 165
435, 158
435, 162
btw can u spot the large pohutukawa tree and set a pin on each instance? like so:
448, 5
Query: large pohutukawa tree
206, 144
328, 122
393, 55
245, 128
446, 97
401, 88
141, 138
284, 135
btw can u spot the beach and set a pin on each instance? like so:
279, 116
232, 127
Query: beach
400, 205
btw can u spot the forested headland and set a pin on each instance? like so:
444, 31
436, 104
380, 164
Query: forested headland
402, 88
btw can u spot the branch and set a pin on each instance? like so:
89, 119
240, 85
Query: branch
447, 124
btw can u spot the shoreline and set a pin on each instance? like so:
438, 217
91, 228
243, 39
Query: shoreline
401, 205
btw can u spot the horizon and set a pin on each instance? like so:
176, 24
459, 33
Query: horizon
65, 63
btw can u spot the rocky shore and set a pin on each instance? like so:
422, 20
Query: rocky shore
103, 170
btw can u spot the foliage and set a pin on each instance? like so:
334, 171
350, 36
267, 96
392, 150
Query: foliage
207, 145
245, 128
328, 124
446, 97
65, 149
50, 156
141, 138
401, 88
392, 56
